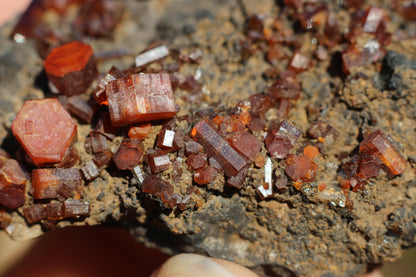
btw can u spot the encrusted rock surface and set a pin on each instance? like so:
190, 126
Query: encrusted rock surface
293, 233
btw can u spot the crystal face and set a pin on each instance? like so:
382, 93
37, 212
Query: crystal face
215, 146
71, 67
139, 98
45, 130
46, 182
377, 144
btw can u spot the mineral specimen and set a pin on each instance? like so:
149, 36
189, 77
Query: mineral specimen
215, 146
377, 144
71, 67
46, 182
129, 154
140, 97
45, 130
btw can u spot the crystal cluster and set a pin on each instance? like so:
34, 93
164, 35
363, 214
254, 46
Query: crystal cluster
376, 154
135, 126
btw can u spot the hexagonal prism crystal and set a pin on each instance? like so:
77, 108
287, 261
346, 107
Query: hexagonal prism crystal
215, 146
45, 130
71, 67
140, 97
378, 145
47, 181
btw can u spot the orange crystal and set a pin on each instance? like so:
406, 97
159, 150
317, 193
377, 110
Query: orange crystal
377, 144
45, 130
139, 98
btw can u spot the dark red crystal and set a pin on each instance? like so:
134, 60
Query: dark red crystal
197, 161
76, 208
158, 161
47, 181
206, 175
129, 154
54, 211
90, 170
215, 146
34, 213
13, 196
246, 144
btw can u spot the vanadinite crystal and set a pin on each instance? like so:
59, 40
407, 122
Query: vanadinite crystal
159, 188
205, 175
129, 154
377, 144
300, 168
35, 213
76, 208
281, 140
217, 147
45, 130
140, 97
158, 161
140, 132
71, 67
47, 182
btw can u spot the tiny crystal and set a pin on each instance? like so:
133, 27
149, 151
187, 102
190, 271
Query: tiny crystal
129, 154
152, 55
99, 93
90, 170
54, 211
138, 174
266, 190
215, 146
197, 161
281, 140
158, 161
80, 108
300, 168
205, 175
76, 208
34, 213
140, 132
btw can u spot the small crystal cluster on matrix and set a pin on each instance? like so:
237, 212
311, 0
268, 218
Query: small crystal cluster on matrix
129, 109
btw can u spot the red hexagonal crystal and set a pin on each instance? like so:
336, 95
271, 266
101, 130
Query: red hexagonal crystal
140, 97
71, 67
45, 130
377, 144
